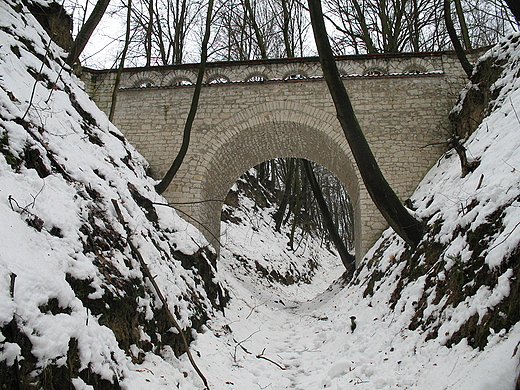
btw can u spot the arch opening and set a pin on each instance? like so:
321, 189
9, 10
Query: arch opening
143, 83
414, 69
180, 82
272, 230
256, 77
252, 145
375, 72
217, 79
295, 74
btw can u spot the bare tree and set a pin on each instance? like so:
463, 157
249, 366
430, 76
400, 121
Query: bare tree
160, 30
370, 26
384, 197
86, 31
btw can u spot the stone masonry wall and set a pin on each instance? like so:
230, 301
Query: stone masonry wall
285, 111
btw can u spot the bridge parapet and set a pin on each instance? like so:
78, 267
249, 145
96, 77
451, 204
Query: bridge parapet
288, 69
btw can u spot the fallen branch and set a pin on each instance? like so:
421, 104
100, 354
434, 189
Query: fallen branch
239, 344
254, 307
261, 356
148, 274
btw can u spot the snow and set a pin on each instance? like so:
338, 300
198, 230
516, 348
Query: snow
270, 335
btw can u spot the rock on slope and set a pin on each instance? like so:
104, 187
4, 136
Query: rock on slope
74, 306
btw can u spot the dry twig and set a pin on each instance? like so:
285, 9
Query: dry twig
261, 356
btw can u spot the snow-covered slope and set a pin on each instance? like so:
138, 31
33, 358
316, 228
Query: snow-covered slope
72, 293
443, 316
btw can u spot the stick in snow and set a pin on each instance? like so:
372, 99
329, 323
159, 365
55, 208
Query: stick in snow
148, 274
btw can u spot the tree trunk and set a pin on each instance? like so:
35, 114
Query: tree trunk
179, 32
514, 6
165, 182
364, 28
148, 38
285, 30
466, 65
463, 25
121, 63
347, 259
258, 34
384, 197
86, 31
286, 195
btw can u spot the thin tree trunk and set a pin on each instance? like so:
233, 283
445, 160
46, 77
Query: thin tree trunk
160, 40
258, 34
514, 6
347, 259
148, 39
286, 195
384, 197
121, 63
165, 182
463, 25
466, 65
412, 26
364, 28
178, 39
285, 30
86, 31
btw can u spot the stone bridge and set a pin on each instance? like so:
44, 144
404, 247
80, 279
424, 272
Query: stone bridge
253, 111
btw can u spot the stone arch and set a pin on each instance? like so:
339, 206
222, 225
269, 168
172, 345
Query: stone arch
343, 72
266, 132
256, 77
140, 79
143, 83
418, 65
295, 74
180, 81
217, 79
374, 71
414, 69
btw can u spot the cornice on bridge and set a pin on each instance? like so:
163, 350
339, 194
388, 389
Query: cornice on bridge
281, 69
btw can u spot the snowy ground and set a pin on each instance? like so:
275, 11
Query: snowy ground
311, 346
270, 336
252, 248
